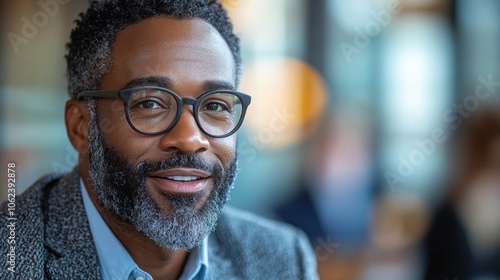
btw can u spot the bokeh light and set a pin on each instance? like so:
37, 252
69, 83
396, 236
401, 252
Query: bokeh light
288, 91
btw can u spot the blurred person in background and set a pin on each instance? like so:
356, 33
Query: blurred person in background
400, 220
463, 241
334, 202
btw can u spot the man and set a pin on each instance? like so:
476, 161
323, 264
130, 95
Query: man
153, 115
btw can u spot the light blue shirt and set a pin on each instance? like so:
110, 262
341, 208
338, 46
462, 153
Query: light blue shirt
117, 264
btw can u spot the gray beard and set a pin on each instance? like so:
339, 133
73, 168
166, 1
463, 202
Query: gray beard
121, 189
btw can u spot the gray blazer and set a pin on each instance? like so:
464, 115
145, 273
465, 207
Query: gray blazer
53, 240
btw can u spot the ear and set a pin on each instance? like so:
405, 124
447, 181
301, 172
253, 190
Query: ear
77, 120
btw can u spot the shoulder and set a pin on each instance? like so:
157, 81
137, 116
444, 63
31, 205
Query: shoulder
245, 224
25, 216
36, 188
262, 247
31, 202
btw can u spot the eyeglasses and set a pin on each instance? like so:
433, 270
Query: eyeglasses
155, 110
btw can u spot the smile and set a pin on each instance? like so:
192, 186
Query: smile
179, 180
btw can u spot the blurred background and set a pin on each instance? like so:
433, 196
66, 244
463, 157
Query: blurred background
374, 125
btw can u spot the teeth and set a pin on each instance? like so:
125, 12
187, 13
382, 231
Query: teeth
183, 178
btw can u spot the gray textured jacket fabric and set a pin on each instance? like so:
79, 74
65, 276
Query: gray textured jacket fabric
53, 240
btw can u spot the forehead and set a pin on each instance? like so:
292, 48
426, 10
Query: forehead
187, 51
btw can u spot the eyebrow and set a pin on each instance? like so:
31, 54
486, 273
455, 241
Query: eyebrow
217, 84
166, 82
150, 81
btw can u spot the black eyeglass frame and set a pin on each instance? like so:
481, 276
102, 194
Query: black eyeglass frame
126, 94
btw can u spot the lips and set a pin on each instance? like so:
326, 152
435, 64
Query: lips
180, 180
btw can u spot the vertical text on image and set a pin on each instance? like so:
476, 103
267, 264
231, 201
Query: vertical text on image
11, 216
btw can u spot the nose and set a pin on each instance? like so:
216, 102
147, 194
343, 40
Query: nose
185, 137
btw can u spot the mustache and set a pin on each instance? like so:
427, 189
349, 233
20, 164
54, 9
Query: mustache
194, 161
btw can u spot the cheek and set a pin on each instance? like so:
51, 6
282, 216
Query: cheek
225, 149
111, 117
115, 128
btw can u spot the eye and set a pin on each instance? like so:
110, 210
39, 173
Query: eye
216, 106
150, 99
149, 104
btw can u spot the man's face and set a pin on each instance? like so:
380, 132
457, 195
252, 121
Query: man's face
171, 186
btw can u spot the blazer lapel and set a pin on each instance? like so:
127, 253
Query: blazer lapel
68, 239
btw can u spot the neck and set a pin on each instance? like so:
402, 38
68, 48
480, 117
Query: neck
159, 262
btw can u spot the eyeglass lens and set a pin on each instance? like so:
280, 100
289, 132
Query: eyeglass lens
153, 110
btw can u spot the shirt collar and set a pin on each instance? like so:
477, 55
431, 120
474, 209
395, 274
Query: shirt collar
197, 263
116, 263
